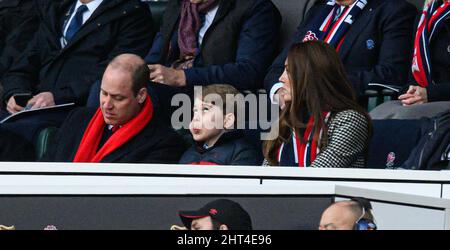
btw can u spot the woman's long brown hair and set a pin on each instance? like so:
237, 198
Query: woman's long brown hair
318, 83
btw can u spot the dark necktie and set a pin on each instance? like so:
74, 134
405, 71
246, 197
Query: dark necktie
107, 133
76, 23
115, 128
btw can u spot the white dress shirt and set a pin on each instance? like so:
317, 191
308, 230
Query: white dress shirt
209, 18
92, 6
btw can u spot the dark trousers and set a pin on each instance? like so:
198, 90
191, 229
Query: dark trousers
30, 126
15, 148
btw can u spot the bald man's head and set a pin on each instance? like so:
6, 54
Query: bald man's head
123, 89
135, 67
340, 216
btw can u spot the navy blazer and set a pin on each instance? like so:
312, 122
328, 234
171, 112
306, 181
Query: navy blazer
388, 23
237, 49
18, 23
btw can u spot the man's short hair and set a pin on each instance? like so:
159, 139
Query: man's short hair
136, 67
358, 210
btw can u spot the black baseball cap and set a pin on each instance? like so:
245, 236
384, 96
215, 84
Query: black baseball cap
224, 211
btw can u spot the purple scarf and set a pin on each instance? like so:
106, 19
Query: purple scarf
190, 25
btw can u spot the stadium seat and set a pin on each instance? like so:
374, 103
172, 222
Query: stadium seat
417, 3
293, 12
157, 8
46, 138
392, 142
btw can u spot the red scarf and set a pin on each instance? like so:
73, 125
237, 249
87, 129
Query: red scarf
302, 152
87, 151
433, 17
325, 28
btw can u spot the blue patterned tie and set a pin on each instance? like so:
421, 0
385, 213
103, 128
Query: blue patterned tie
76, 23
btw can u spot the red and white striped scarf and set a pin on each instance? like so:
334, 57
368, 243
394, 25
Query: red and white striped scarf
433, 17
301, 152
324, 27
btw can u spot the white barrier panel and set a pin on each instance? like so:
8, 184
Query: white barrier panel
424, 183
401, 199
394, 211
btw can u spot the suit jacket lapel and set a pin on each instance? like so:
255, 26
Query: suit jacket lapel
9, 3
355, 31
224, 8
144, 138
89, 26
170, 27
58, 14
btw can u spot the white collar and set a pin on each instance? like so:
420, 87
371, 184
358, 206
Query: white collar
92, 6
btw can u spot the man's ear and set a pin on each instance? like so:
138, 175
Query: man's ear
142, 95
229, 120
223, 227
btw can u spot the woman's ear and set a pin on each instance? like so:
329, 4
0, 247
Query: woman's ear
228, 121
223, 227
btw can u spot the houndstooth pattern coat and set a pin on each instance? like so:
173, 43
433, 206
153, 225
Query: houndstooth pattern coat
348, 139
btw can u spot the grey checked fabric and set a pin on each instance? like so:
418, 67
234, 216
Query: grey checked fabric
348, 139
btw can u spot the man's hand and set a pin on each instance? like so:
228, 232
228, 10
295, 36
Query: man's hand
12, 106
167, 76
44, 99
415, 95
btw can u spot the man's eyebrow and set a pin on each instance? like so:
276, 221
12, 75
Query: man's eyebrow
113, 95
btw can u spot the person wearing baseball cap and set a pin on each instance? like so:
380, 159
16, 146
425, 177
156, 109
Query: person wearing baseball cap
220, 214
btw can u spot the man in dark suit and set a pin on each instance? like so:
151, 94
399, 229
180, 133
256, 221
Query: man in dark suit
372, 37
124, 128
75, 41
18, 23
12, 148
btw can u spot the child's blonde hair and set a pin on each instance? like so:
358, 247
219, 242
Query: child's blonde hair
225, 92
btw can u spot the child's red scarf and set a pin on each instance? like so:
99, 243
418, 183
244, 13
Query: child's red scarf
87, 151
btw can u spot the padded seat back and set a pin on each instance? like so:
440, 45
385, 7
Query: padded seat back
293, 13
392, 142
418, 3
46, 138
157, 8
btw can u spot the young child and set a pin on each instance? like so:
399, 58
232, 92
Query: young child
217, 142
